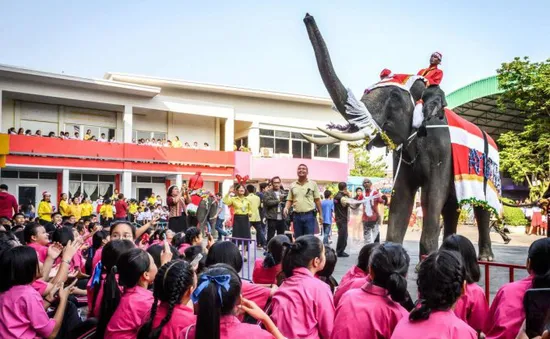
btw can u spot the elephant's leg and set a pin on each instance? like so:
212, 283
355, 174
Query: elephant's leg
450, 216
483, 218
401, 206
434, 197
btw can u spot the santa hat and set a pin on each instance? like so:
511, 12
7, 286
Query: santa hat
385, 73
438, 54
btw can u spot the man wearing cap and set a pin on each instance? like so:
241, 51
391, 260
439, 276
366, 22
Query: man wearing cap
433, 74
8, 203
45, 209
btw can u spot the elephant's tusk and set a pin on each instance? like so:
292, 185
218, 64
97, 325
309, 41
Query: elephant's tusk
360, 135
321, 141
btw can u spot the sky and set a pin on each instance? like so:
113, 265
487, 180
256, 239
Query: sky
264, 44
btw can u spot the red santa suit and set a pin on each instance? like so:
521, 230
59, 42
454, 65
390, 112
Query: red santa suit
432, 74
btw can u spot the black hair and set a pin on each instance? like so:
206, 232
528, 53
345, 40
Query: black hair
156, 250
54, 214
327, 194
359, 189
440, 280
178, 239
275, 251
325, 274
173, 280
117, 223
263, 185
250, 188
7, 240
19, 266
364, 256
390, 262
190, 234
109, 257
97, 242
211, 308
63, 235
300, 253
461, 244
273, 179
22, 215
225, 252
342, 186
539, 262
190, 255
157, 235
79, 226
31, 229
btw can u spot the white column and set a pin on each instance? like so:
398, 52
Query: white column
344, 151
179, 180
229, 132
128, 125
254, 138
226, 185
65, 181
1, 105
126, 183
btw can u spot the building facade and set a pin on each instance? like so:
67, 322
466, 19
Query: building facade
215, 121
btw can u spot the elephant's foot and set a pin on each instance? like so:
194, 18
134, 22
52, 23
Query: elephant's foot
486, 254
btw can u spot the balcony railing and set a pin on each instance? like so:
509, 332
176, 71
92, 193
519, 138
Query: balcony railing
77, 149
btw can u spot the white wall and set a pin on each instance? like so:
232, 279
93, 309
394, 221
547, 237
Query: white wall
89, 117
153, 121
41, 186
191, 128
8, 114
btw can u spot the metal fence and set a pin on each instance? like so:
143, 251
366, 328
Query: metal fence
248, 252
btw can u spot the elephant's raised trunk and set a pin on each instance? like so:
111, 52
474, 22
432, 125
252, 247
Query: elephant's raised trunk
335, 88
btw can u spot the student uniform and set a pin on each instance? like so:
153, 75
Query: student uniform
232, 328
440, 325
472, 307
129, 314
264, 275
182, 317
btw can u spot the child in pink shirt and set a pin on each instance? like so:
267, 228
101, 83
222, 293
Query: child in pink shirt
113, 250
21, 306
122, 314
218, 300
302, 306
441, 278
361, 269
226, 252
173, 286
472, 306
374, 309
267, 269
37, 238
506, 313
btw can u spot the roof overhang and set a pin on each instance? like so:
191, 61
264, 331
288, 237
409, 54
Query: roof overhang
18, 73
211, 88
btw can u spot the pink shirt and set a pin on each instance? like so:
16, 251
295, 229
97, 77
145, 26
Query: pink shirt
232, 328
353, 273
134, 305
256, 293
40, 286
97, 258
367, 312
41, 251
23, 315
440, 325
506, 314
95, 310
472, 307
262, 275
182, 317
183, 247
303, 307
350, 284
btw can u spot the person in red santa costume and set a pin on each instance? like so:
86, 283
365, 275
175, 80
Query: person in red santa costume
433, 74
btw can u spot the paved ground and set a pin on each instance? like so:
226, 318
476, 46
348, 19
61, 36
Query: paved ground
513, 253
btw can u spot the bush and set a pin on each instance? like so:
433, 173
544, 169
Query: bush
513, 216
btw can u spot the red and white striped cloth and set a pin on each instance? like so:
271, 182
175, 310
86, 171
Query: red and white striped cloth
475, 164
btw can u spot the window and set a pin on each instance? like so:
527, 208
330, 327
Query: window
107, 178
75, 176
281, 142
91, 185
95, 131
158, 180
28, 175
9, 174
44, 127
48, 175
89, 177
148, 135
242, 142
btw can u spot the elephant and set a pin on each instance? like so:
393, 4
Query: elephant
423, 159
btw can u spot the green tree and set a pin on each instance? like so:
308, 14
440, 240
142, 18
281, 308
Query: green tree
525, 156
365, 166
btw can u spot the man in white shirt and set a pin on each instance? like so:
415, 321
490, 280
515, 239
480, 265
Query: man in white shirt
102, 138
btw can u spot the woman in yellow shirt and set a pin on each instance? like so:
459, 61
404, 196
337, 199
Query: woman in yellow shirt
45, 209
132, 210
106, 213
176, 143
241, 206
76, 209
87, 208
64, 206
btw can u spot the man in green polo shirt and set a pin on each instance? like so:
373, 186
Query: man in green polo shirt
304, 197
